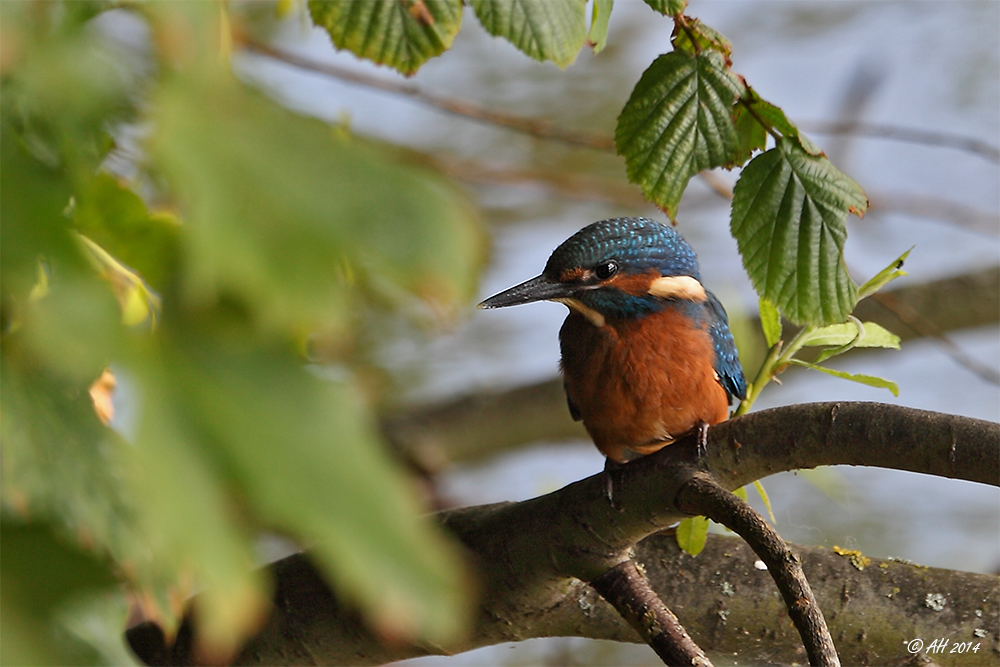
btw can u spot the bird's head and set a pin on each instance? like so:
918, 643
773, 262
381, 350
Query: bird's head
614, 269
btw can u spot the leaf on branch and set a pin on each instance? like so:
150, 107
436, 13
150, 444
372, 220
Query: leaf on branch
677, 122
601, 14
553, 30
789, 210
401, 34
869, 380
751, 134
874, 335
692, 36
770, 322
774, 119
885, 276
668, 7
692, 534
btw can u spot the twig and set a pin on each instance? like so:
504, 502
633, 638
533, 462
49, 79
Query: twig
702, 495
629, 592
925, 327
907, 134
536, 128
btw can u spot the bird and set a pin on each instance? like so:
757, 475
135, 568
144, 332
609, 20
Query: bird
647, 356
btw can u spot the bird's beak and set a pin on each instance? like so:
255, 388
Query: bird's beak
538, 288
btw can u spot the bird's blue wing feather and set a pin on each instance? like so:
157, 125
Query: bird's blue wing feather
727, 361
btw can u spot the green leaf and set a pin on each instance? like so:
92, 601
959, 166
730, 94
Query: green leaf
34, 227
285, 217
751, 134
306, 457
41, 575
668, 7
692, 534
193, 523
770, 322
789, 210
693, 36
767, 501
869, 380
885, 276
678, 122
874, 335
553, 30
775, 119
601, 14
115, 218
403, 34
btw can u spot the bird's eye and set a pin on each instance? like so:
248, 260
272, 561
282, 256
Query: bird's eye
606, 269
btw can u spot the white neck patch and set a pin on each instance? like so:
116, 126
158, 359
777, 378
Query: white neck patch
678, 287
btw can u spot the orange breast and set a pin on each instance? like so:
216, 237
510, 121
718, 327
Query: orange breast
641, 384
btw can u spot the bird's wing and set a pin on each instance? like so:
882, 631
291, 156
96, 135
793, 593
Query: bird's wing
727, 361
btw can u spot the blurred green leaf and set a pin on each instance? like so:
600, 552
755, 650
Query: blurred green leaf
74, 330
402, 34
283, 215
692, 534
869, 380
308, 459
789, 210
34, 197
116, 219
600, 15
770, 322
678, 122
40, 575
553, 30
668, 7
195, 529
885, 276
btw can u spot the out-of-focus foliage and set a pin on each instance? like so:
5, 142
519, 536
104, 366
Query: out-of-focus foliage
268, 227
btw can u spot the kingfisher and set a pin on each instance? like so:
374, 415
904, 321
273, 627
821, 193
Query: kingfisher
647, 355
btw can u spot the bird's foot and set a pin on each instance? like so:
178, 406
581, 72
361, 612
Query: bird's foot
702, 438
612, 469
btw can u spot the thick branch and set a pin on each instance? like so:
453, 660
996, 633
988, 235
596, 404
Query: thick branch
533, 556
703, 496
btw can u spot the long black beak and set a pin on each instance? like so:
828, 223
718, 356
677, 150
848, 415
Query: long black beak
538, 288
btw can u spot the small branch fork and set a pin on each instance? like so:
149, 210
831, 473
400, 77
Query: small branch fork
629, 592
703, 496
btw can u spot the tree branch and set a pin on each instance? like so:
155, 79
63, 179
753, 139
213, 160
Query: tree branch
703, 496
624, 587
534, 556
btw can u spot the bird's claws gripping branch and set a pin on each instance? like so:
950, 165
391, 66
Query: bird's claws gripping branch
704, 496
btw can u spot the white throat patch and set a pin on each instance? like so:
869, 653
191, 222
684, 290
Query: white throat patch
595, 317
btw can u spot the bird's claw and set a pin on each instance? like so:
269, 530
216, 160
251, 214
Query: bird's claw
702, 438
612, 469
